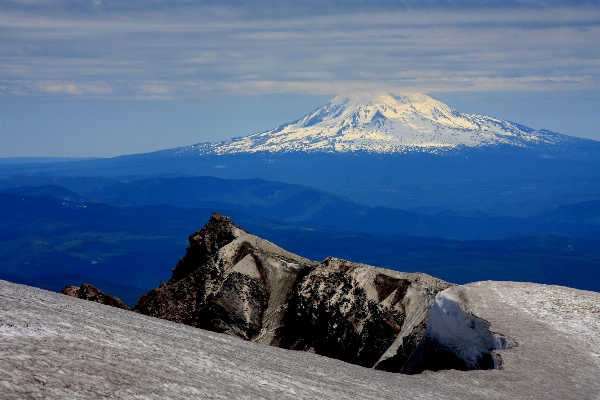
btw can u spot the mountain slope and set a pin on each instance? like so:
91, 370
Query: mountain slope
409, 152
386, 123
55, 346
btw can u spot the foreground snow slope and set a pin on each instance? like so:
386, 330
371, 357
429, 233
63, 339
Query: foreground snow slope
56, 346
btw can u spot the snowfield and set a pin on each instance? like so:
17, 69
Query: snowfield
55, 346
384, 123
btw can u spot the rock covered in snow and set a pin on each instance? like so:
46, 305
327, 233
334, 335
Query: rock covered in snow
455, 338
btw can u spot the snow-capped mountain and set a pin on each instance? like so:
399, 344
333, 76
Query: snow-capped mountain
385, 123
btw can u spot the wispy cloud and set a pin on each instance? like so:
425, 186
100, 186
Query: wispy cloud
156, 49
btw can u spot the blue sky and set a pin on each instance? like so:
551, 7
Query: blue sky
103, 78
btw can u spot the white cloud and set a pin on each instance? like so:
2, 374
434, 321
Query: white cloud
62, 88
158, 50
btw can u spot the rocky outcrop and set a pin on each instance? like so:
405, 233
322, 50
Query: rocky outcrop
236, 283
355, 312
89, 292
229, 281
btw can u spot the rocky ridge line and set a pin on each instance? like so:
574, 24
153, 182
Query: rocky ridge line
233, 282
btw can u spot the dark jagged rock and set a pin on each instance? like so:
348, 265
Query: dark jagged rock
89, 292
350, 311
229, 281
233, 282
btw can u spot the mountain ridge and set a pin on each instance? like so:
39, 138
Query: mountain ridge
385, 123
498, 178
233, 282
296, 204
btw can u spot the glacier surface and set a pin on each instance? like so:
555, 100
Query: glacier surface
55, 346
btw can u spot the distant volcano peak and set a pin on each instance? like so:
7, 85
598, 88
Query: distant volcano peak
385, 123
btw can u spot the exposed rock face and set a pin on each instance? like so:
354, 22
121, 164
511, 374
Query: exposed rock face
88, 292
354, 312
229, 281
233, 282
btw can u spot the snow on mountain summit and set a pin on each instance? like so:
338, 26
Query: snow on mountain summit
384, 123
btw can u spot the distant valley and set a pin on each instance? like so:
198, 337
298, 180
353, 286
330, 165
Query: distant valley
49, 242
305, 206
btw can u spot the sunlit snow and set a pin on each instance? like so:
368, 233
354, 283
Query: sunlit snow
384, 123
